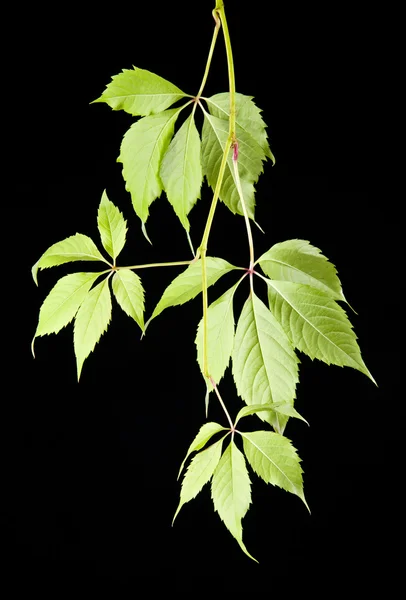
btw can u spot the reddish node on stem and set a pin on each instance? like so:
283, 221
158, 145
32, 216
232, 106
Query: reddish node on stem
235, 151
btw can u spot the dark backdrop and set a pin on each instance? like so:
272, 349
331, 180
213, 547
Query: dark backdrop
89, 470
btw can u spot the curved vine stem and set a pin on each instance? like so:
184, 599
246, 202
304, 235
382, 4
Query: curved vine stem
220, 16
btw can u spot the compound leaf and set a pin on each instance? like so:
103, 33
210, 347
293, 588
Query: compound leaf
92, 320
188, 284
63, 302
247, 117
265, 366
76, 247
273, 458
300, 262
181, 170
250, 157
199, 473
231, 491
315, 324
112, 227
140, 92
141, 153
220, 335
129, 293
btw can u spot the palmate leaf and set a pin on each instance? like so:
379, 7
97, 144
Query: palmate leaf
188, 284
231, 491
199, 473
129, 293
250, 158
300, 262
264, 364
140, 92
220, 335
76, 247
181, 170
92, 320
141, 153
315, 324
205, 434
247, 116
63, 302
112, 227
273, 458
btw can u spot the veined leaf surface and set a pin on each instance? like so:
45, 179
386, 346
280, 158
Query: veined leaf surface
140, 92
315, 324
92, 320
300, 262
265, 366
188, 284
181, 170
129, 293
112, 227
231, 491
141, 153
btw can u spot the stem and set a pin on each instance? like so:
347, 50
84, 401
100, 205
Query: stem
209, 58
246, 217
219, 11
164, 264
221, 402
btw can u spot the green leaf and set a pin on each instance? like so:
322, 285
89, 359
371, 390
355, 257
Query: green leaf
181, 170
248, 117
300, 262
250, 157
220, 335
141, 153
231, 491
140, 92
92, 320
63, 302
112, 227
273, 458
129, 293
265, 366
205, 433
188, 284
315, 324
76, 247
284, 408
199, 473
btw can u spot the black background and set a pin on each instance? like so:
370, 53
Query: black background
89, 470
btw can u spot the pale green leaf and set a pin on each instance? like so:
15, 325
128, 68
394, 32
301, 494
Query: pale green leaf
231, 491
188, 284
76, 247
315, 324
220, 335
247, 117
92, 320
273, 458
265, 366
250, 158
140, 92
141, 153
205, 433
112, 227
63, 302
300, 262
199, 472
181, 170
129, 293
284, 408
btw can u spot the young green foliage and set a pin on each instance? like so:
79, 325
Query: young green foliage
303, 286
